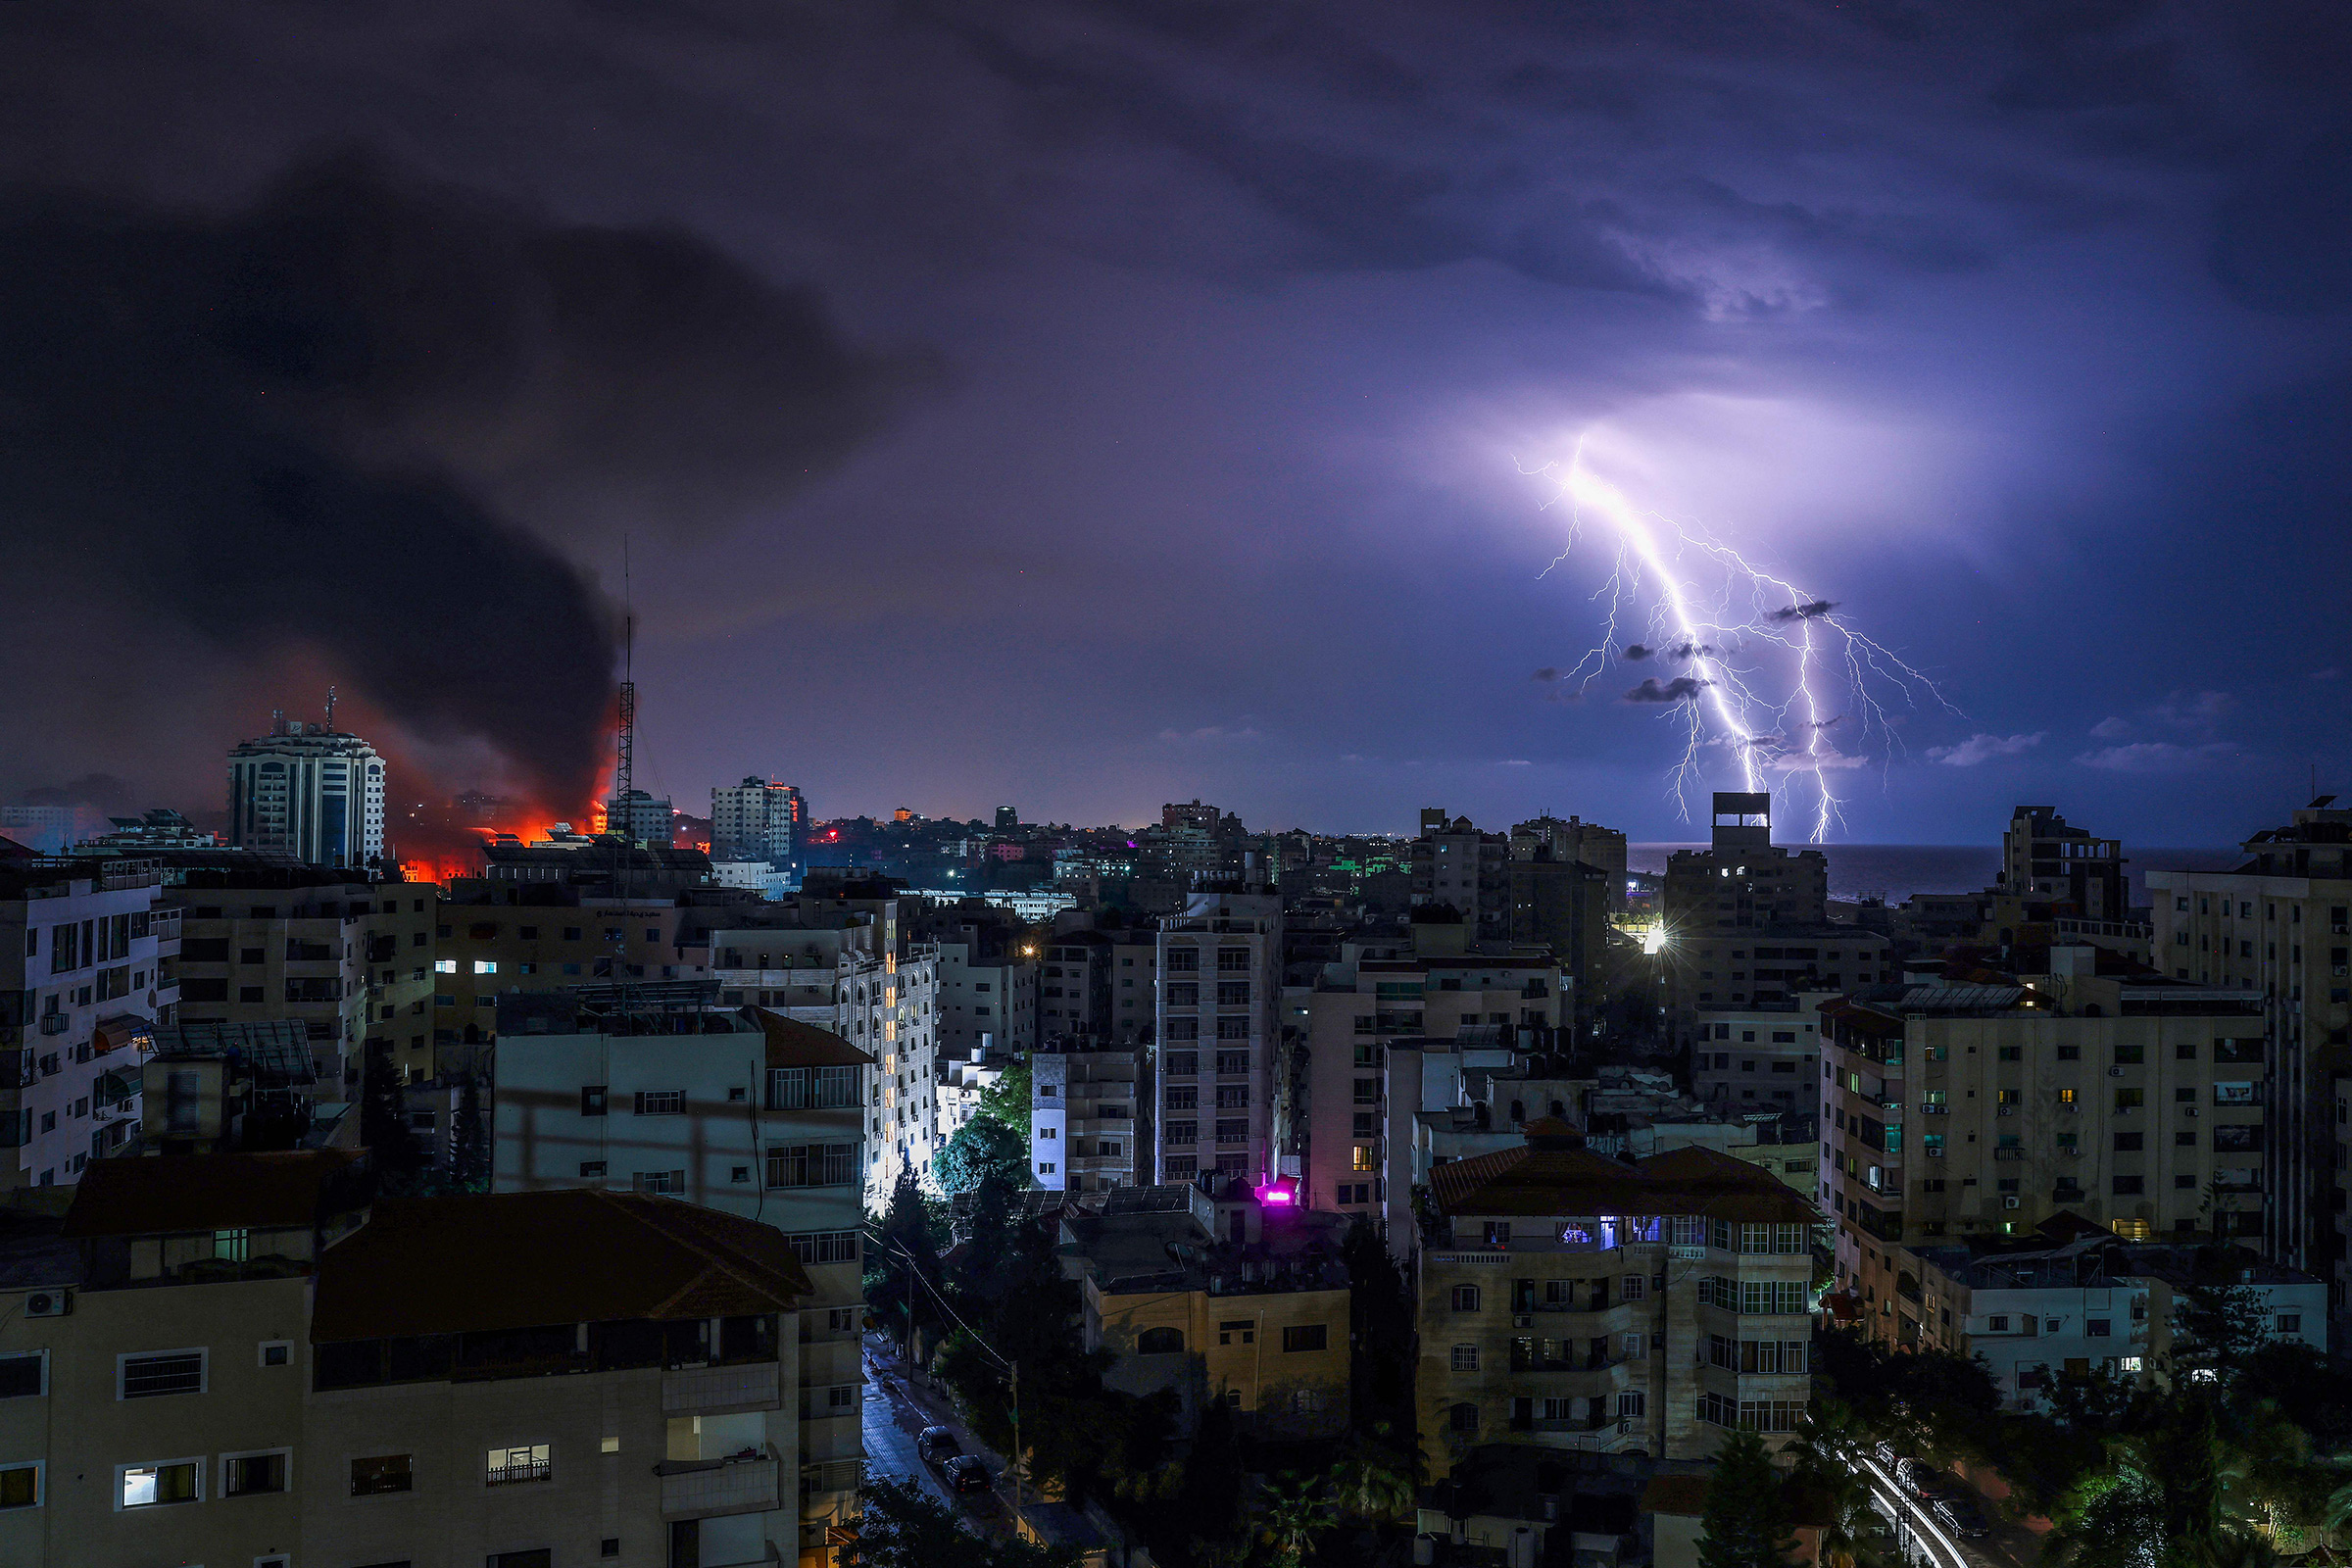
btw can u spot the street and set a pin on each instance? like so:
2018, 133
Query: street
1923, 1535
897, 1408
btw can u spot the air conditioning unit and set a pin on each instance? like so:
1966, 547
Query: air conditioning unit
48, 1303
2188, 1110
2115, 1072
1523, 1322
2010, 1202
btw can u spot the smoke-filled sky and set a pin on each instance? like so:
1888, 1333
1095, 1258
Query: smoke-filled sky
1081, 406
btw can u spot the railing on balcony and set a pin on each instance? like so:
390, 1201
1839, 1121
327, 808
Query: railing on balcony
739, 1482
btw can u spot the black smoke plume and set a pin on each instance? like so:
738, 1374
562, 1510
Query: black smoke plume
1681, 689
352, 424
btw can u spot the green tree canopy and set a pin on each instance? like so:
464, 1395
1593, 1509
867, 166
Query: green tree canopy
1745, 1523
1006, 1100
903, 1528
983, 1148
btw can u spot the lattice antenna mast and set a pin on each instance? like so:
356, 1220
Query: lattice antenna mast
624, 767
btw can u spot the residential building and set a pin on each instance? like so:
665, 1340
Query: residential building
2042, 858
1220, 968
1983, 1107
222, 1088
1259, 1321
742, 1111
1456, 866
1134, 967
238, 1358
986, 976
1572, 1300
759, 820
86, 949
1561, 906
1576, 840
353, 959
1747, 921
1089, 1117
637, 817
1384, 991
2034, 1315
1074, 986
2279, 926
308, 791
1759, 1057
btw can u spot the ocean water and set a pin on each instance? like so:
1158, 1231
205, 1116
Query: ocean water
1896, 871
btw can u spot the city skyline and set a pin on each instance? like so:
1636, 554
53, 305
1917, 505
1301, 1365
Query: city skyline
1165, 411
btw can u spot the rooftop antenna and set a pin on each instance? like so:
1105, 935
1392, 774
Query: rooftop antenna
624, 769
330, 709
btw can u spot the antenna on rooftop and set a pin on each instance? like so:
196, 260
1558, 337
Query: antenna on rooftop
625, 766
330, 709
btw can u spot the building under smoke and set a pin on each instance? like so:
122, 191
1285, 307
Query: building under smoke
308, 791
757, 820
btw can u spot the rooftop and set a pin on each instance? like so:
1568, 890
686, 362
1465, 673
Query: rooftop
473, 1263
1554, 1175
175, 1194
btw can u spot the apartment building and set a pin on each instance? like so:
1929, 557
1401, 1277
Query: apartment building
1382, 993
759, 820
489, 950
745, 1111
988, 976
309, 791
1747, 922
1576, 840
2043, 858
237, 1358
1075, 986
354, 959
86, 949
1090, 1116
1572, 1300
1456, 866
2279, 927
1759, 1059
1220, 968
2037, 1314
1259, 1323
1953, 1110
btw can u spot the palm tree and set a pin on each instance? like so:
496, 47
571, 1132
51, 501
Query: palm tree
1290, 1515
1371, 1481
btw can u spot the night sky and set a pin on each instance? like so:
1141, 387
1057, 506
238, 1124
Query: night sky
1083, 406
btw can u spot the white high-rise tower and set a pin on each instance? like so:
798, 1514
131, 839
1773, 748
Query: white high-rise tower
309, 791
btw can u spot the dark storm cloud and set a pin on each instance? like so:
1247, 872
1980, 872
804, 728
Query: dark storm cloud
1548, 672
1813, 609
319, 424
1681, 689
1635, 653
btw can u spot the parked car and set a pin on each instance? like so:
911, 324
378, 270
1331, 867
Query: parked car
1921, 1479
936, 1445
1962, 1517
965, 1473
1888, 1455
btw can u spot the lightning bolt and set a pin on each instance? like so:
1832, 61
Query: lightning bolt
1721, 616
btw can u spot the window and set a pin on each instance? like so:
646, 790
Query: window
390, 1472
2290, 1322
1466, 1298
275, 1352
825, 1246
1241, 1331
658, 1181
139, 1377
507, 1467
532, 1557
1363, 1157
1045, 1167
1498, 1233
152, 1486
662, 1102
2098, 1328
445, 966
1307, 1337
1159, 1341
1464, 1417
1632, 1287
24, 1375
813, 1166
591, 1169
1632, 1403
21, 1484
247, 1475
592, 1100
1465, 1358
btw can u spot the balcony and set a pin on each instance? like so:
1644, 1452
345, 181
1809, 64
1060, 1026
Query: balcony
2008, 1154
717, 1390
700, 1489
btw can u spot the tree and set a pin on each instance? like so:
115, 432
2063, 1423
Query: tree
469, 1140
1381, 1312
1290, 1514
1006, 1100
902, 1528
1745, 1523
981, 1148
1371, 1479
910, 1227
384, 1121
2217, 1327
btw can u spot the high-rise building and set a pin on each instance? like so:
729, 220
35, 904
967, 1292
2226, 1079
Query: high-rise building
641, 818
1220, 975
2279, 927
1008, 818
1455, 864
1090, 1116
1960, 1109
759, 820
309, 791
1576, 840
86, 947
1746, 922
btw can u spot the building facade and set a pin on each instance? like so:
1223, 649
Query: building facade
1957, 1110
86, 955
1220, 975
759, 820
1570, 1300
1089, 1117
309, 792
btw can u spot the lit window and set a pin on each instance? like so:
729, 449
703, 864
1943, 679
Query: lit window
445, 966
485, 966
506, 1467
150, 1486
